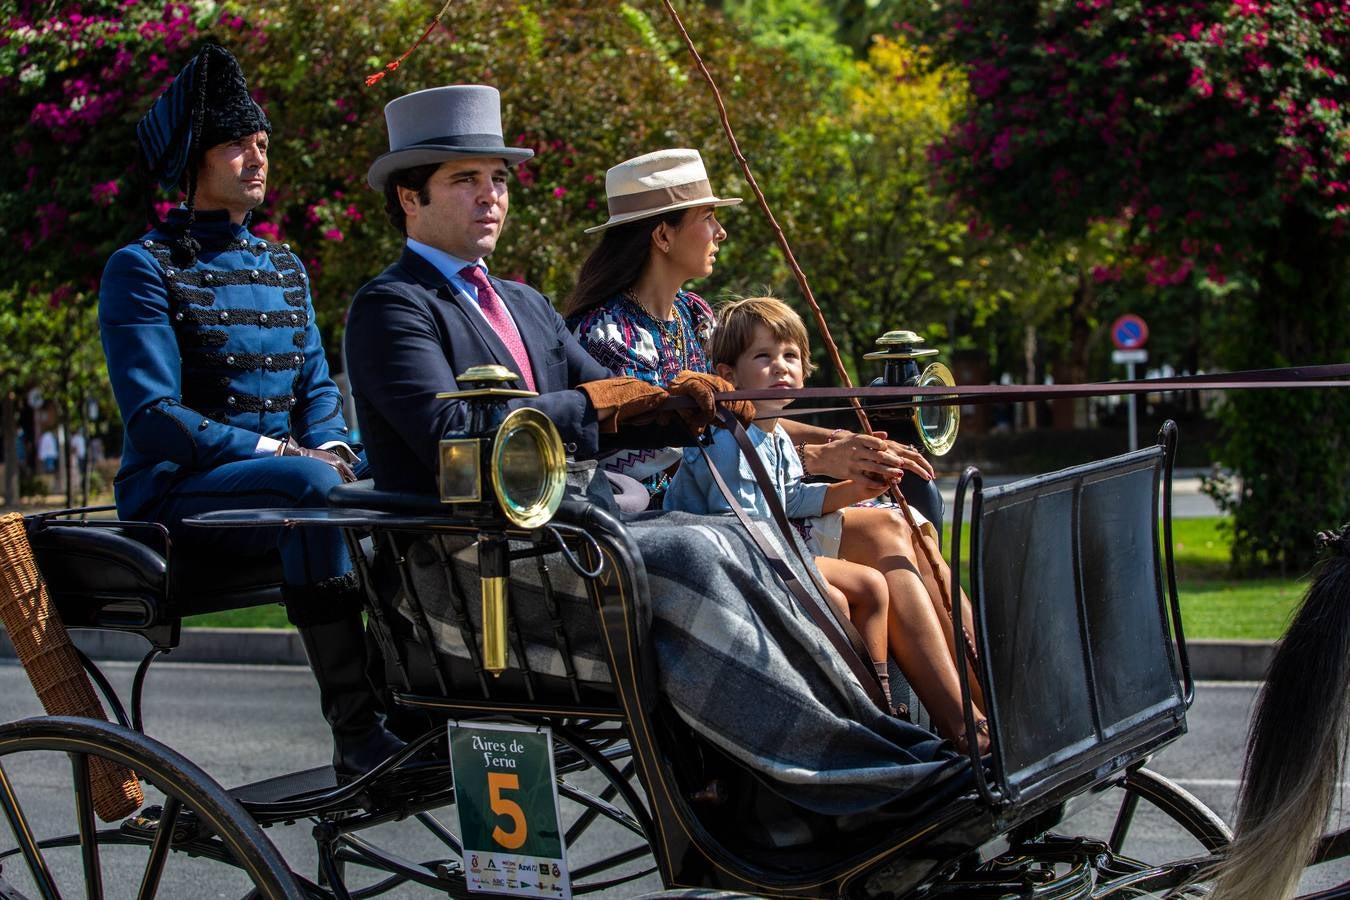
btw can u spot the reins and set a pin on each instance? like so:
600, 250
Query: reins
890, 397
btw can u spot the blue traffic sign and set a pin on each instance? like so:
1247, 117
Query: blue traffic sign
1129, 332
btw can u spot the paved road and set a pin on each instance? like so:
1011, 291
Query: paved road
246, 723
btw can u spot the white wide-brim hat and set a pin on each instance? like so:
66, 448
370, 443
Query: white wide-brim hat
443, 123
656, 183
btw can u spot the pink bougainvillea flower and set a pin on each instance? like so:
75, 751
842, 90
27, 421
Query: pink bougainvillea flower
103, 193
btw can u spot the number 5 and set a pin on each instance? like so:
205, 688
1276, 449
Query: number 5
498, 782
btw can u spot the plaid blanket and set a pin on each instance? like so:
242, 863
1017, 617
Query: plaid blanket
739, 662
752, 673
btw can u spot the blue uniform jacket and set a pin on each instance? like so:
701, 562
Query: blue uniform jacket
204, 360
409, 334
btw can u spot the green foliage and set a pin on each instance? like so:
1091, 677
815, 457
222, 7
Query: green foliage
585, 85
1213, 135
884, 249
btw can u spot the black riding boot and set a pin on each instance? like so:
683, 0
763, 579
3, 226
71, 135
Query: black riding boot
337, 654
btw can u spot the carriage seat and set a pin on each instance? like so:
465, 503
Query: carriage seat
425, 575
123, 577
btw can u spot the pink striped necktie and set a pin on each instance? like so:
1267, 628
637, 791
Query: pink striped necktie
495, 312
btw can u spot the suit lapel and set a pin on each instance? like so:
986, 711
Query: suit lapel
431, 278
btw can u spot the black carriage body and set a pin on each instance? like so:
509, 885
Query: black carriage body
1084, 675
1078, 656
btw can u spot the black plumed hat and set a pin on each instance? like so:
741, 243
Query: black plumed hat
207, 104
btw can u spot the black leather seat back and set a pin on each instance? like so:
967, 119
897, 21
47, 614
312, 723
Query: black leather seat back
123, 576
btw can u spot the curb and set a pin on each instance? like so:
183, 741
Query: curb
249, 646
1211, 660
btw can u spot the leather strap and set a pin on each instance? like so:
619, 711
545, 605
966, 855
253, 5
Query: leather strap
1323, 376
839, 632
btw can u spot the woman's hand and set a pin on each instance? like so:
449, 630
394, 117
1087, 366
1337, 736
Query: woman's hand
865, 457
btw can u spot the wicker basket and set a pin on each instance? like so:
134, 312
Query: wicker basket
43, 646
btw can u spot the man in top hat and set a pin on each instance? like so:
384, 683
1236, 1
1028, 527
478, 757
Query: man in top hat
220, 375
437, 311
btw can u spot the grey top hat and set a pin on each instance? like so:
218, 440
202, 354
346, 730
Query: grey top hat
443, 123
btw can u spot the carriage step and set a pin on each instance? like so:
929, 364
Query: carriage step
287, 787
145, 824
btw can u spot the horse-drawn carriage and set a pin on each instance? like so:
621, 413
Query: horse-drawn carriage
521, 598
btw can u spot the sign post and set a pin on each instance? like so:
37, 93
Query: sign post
506, 797
1129, 333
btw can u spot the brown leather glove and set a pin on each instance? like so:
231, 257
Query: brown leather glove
621, 399
700, 386
289, 447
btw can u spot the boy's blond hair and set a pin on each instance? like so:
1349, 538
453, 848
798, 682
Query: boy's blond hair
736, 321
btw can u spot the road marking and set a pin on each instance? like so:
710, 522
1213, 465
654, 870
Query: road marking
1227, 783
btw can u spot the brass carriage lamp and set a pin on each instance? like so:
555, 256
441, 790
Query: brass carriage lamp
520, 454
933, 426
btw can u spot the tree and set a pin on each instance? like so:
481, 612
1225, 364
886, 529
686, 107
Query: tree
586, 85
1214, 133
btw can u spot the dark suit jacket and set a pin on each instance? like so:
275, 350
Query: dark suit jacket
409, 334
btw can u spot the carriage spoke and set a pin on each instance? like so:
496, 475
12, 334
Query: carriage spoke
18, 824
159, 848
421, 873
443, 834
588, 816
600, 807
84, 812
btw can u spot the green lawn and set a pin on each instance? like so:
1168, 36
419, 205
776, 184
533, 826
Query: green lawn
1216, 605
1213, 604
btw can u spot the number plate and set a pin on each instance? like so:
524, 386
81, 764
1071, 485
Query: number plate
506, 797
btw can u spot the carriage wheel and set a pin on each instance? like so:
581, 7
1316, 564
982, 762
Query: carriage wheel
605, 824
1185, 877
55, 843
1174, 801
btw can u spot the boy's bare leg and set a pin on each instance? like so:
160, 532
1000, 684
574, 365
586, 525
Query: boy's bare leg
919, 631
865, 592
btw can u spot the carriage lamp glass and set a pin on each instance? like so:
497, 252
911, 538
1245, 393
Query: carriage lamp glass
529, 468
937, 425
460, 471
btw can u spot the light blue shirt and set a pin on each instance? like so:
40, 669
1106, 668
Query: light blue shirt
693, 489
450, 265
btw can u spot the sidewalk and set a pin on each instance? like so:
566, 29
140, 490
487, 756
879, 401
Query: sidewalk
1210, 660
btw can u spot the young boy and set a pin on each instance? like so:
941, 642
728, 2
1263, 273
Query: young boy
760, 343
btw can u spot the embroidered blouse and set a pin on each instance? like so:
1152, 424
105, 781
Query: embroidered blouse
628, 340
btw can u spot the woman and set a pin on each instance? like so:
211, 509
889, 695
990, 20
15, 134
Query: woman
629, 308
631, 312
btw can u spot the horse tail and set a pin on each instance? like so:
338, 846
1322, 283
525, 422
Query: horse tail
1296, 742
